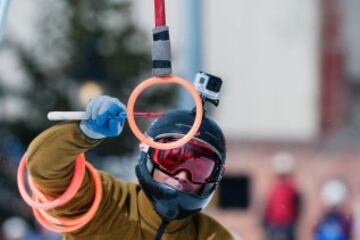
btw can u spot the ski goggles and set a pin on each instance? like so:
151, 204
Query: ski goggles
199, 160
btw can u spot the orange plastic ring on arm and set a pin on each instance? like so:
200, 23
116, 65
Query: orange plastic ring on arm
73, 188
37, 192
64, 225
40, 195
164, 80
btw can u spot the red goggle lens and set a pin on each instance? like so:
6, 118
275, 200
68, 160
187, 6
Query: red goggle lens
196, 158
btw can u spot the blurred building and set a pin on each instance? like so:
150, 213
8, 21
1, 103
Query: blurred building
291, 71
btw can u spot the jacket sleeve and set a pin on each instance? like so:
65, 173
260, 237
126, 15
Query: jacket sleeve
50, 162
51, 155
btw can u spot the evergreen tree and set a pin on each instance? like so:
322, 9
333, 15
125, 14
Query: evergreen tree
78, 41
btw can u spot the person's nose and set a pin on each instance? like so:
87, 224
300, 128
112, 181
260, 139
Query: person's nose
181, 176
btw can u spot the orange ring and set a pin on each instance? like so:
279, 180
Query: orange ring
164, 80
37, 192
73, 188
70, 225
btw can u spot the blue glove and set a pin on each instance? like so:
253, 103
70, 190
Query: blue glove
107, 117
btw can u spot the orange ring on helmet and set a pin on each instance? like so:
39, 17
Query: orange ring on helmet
164, 80
73, 188
64, 225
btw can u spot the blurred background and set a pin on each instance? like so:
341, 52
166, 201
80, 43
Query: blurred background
290, 104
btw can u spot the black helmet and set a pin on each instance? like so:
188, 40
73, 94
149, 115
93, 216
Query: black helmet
169, 202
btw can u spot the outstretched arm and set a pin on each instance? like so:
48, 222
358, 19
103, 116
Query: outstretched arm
50, 157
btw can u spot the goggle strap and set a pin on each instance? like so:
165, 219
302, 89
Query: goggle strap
208, 187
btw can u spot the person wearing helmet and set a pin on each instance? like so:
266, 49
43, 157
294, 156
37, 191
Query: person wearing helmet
336, 222
174, 185
283, 201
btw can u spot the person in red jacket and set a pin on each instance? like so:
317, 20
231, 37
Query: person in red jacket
283, 201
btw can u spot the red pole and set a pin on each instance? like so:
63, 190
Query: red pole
148, 114
160, 17
333, 88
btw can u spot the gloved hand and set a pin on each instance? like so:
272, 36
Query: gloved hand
107, 117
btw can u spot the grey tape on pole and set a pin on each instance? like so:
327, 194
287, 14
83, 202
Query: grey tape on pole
161, 52
162, 72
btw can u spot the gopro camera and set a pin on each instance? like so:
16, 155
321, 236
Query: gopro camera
209, 87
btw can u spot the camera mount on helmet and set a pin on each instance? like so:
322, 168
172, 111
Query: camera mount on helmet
209, 87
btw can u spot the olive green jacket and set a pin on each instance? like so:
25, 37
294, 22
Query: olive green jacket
125, 212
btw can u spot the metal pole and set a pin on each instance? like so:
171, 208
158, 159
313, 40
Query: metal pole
193, 48
4, 5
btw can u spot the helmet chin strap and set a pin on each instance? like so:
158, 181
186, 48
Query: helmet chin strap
161, 230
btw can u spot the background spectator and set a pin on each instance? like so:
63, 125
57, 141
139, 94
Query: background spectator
283, 201
335, 223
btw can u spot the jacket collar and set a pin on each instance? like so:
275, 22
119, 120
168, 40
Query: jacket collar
148, 215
